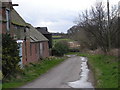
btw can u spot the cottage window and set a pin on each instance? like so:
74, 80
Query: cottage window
26, 31
8, 19
41, 49
16, 27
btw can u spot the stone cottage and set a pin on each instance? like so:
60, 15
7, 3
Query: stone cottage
33, 45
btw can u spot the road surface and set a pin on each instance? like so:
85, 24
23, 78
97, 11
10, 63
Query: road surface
59, 76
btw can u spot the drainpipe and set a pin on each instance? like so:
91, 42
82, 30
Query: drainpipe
25, 49
25, 45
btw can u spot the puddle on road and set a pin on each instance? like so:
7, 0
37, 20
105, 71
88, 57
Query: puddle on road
83, 81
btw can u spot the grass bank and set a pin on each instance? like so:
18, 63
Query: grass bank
32, 72
105, 69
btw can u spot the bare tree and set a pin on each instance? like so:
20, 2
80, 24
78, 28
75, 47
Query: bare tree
101, 26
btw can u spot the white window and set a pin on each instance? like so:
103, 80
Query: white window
41, 49
16, 27
8, 19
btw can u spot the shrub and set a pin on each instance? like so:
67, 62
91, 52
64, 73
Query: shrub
74, 50
10, 56
60, 48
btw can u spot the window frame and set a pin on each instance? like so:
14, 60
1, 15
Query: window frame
7, 12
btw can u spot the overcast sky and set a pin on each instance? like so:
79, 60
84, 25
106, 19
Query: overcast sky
57, 15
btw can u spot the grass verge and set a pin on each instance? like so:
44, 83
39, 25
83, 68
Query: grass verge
105, 69
32, 72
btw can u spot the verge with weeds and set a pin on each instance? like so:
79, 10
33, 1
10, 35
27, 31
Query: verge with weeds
105, 69
32, 71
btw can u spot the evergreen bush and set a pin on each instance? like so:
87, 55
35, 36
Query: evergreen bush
10, 56
60, 48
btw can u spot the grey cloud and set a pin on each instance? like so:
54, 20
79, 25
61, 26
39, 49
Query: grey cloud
61, 19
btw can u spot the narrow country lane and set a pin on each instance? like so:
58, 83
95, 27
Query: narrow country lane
58, 77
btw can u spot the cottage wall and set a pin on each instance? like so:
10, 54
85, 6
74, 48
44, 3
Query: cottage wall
45, 49
30, 51
3, 22
33, 51
3, 28
5, 5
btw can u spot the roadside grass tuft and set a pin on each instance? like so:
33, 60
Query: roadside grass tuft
32, 72
105, 69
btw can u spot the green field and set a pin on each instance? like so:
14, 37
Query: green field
56, 36
105, 69
57, 40
32, 72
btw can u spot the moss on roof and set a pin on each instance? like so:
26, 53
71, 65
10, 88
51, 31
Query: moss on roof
36, 36
17, 19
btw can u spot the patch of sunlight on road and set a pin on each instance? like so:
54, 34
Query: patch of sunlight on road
83, 81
